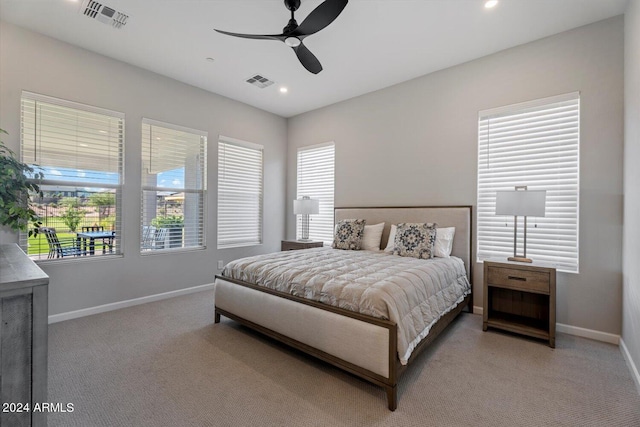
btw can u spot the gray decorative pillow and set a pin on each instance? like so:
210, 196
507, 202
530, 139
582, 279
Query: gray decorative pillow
349, 234
415, 240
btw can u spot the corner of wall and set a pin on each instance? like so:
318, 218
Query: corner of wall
635, 374
630, 342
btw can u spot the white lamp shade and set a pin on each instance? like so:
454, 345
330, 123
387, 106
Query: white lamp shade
306, 206
521, 203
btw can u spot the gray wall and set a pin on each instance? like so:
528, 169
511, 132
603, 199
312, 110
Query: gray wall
32, 62
416, 144
631, 246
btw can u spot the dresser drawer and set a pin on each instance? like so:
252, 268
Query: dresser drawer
532, 281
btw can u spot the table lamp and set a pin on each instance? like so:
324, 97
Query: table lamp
306, 206
520, 202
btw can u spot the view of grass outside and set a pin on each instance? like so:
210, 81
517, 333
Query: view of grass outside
68, 211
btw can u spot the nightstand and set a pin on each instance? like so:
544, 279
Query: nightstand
292, 245
520, 298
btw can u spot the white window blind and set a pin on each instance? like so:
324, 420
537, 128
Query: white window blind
174, 160
79, 149
239, 193
316, 176
534, 144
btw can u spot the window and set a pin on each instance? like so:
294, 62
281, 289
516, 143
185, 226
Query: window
316, 169
174, 175
79, 149
534, 144
239, 193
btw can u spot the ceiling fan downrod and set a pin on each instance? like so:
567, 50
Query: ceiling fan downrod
292, 5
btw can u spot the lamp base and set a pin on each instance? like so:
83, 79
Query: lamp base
305, 240
519, 259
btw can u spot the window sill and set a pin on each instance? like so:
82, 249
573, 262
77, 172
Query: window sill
171, 251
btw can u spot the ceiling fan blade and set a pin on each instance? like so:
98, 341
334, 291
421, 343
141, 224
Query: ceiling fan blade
280, 37
320, 17
308, 59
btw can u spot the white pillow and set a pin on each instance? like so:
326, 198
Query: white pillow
392, 238
444, 241
372, 236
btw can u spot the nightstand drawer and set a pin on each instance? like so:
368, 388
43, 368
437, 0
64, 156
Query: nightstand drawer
292, 245
531, 281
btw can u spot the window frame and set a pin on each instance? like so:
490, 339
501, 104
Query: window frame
328, 208
150, 188
118, 188
228, 141
560, 228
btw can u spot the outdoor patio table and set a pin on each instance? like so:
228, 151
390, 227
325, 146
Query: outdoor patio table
92, 236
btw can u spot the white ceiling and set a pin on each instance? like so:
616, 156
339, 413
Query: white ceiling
373, 44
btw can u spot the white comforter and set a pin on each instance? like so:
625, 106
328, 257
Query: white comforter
413, 293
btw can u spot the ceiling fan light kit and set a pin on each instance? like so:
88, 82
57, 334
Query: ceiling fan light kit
292, 41
293, 34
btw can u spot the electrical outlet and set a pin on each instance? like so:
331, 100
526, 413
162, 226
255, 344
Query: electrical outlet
220, 264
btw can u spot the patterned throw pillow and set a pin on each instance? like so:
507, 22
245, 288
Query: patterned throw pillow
415, 240
349, 234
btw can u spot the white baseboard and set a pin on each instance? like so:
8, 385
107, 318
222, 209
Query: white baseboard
567, 329
630, 363
588, 333
575, 330
128, 303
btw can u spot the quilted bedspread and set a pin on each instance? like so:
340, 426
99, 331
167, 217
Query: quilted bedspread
413, 293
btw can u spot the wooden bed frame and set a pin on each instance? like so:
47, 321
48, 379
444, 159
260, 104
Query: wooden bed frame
389, 381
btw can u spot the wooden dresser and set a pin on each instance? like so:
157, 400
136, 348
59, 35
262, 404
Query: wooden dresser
520, 298
23, 338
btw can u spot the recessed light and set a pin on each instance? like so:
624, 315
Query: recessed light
284, 90
210, 59
489, 4
102, 131
83, 145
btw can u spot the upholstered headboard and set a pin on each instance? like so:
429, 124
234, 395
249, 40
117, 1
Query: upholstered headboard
445, 216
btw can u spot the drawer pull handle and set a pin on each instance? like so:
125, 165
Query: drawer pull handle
522, 279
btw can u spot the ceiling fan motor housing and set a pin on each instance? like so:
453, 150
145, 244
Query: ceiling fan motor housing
292, 25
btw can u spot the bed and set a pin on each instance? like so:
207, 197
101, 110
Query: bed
366, 343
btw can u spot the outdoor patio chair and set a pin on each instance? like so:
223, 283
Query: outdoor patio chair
60, 248
160, 237
148, 236
153, 237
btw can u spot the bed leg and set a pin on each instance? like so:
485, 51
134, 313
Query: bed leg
216, 317
392, 397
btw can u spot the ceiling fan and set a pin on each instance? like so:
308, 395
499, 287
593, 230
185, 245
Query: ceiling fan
293, 34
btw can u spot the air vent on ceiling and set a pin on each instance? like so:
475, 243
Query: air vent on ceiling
104, 14
259, 81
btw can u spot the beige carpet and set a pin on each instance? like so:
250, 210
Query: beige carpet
167, 364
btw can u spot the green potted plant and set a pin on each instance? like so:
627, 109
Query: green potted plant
17, 182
